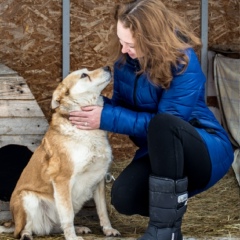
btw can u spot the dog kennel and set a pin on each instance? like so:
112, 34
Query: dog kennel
22, 126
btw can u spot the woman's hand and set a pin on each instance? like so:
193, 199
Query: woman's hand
87, 119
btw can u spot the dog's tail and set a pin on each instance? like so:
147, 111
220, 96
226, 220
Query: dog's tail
7, 227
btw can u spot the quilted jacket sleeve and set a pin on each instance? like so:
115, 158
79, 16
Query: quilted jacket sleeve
118, 119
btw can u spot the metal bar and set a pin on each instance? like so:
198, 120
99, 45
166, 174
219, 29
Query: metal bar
204, 36
65, 38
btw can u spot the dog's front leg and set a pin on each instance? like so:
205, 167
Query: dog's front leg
100, 201
64, 207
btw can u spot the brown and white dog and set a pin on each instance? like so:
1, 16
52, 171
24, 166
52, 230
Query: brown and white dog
67, 169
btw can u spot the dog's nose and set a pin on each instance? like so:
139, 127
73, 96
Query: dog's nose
107, 68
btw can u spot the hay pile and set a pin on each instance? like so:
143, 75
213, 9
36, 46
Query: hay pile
215, 213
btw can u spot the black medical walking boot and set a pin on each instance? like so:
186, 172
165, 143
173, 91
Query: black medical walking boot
167, 205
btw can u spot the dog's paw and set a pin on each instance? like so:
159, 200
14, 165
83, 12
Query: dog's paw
26, 236
109, 231
82, 230
74, 238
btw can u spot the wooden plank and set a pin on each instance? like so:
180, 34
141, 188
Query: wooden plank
5, 216
14, 88
31, 141
20, 108
4, 206
21, 126
4, 70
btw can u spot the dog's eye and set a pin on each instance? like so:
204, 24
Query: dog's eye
84, 75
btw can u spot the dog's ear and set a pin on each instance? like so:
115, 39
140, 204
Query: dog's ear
57, 95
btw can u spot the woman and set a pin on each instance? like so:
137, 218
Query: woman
159, 101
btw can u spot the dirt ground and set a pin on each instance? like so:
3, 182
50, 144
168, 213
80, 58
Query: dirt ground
214, 214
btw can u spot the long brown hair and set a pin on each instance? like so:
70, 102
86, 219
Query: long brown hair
161, 36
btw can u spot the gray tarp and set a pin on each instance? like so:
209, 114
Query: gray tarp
227, 83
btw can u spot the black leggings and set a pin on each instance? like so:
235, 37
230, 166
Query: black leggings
176, 150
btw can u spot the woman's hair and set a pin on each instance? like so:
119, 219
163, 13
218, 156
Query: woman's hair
160, 35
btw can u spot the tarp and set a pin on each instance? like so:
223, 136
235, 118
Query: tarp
227, 83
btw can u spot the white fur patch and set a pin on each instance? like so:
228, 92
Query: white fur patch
41, 214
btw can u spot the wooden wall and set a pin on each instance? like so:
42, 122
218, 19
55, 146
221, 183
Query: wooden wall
21, 119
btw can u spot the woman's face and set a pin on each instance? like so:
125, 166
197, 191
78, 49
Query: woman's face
126, 40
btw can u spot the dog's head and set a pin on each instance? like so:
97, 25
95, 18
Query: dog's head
81, 83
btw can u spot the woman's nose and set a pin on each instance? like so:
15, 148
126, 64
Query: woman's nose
124, 48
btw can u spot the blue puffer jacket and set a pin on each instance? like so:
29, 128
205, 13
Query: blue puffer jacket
135, 101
